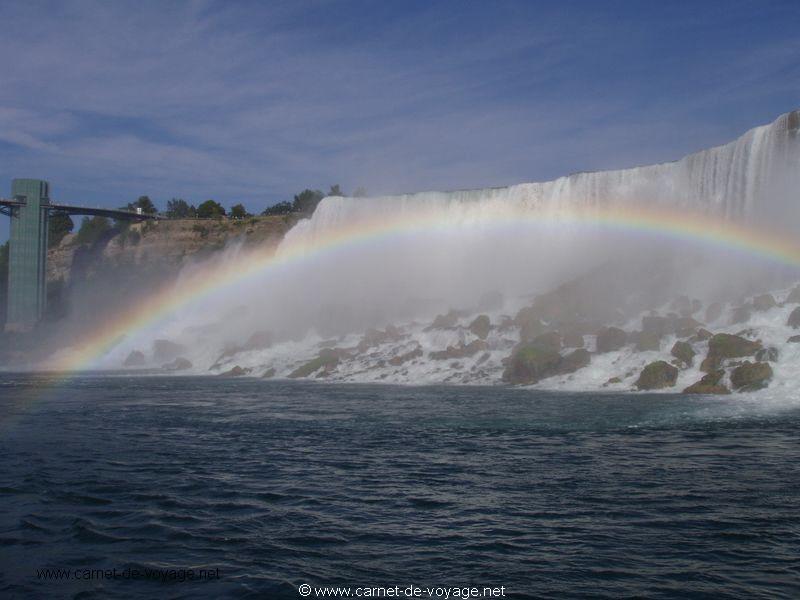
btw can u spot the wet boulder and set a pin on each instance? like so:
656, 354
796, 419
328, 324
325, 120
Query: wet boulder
574, 361
481, 326
701, 335
726, 345
795, 339
447, 321
548, 341
749, 377
460, 351
269, 373
709, 384
529, 364
529, 323
657, 325
741, 314
686, 326
794, 319
236, 371
573, 340
325, 362
134, 359
684, 352
398, 360
657, 375
647, 340
769, 354
610, 339
764, 302
179, 364
376, 337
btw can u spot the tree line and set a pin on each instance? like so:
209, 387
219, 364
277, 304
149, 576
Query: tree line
93, 229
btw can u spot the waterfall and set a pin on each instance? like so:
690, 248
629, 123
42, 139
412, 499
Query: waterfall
730, 181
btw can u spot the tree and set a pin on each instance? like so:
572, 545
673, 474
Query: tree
145, 204
239, 212
335, 191
59, 224
178, 208
210, 210
360, 192
93, 229
281, 208
306, 201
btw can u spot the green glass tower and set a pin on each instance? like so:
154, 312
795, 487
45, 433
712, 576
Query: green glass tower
27, 291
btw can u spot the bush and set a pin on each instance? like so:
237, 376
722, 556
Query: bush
210, 210
93, 229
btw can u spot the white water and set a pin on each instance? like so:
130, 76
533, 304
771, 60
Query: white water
408, 279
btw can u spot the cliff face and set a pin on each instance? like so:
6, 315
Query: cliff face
163, 244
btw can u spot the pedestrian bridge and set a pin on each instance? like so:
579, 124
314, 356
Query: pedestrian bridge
29, 208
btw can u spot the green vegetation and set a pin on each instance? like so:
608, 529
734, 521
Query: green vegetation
210, 210
58, 226
239, 212
93, 229
178, 208
281, 208
145, 204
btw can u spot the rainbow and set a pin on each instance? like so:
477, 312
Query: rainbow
681, 225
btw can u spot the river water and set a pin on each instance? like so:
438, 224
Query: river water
268, 485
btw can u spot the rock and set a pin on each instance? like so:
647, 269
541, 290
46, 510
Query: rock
135, 359
574, 360
795, 339
481, 326
447, 321
573, 340
660, 326
376, 337
701, 335
767, 354
764, 302
460, 351
710, 364
794, 319
686, 326
529, 364
548, 341
398, 360
741, 314
749, 377
165, 351
179, 364
725, 345
684, 352
269, 373
529, 323
794, 296
610, 339
327, 360
647, 340
709, 384
236, 371
657, 375
683, 305
612, 381
696, 305
713, 312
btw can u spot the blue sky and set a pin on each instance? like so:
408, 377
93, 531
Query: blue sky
253, 101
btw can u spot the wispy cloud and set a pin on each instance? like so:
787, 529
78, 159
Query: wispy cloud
254, 101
